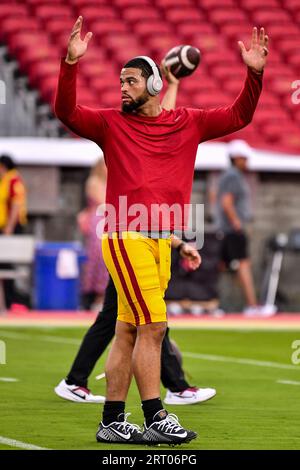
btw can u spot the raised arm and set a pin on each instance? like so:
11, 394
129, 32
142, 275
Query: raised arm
85, 122
225, 120
169, 99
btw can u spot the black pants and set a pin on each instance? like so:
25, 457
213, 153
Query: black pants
99, 336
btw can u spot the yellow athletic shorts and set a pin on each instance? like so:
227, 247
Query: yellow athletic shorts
140, 269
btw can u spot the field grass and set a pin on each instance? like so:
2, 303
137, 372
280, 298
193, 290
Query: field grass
251, 410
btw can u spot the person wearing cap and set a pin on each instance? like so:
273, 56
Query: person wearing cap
233, 213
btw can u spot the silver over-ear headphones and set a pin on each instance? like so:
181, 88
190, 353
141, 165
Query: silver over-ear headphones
154, 82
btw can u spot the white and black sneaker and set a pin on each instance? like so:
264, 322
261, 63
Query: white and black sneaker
167, 430
77, 394
120, 432
189, 396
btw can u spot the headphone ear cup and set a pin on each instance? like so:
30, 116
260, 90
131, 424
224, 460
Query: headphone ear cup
154, 85
157, 84
150, 87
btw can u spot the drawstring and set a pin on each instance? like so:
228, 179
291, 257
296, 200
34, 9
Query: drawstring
162, 249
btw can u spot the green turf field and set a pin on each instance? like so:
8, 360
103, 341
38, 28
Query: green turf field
251, 410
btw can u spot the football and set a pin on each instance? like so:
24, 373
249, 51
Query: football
182, 60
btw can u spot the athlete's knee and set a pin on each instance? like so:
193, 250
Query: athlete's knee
153, 331
125, 333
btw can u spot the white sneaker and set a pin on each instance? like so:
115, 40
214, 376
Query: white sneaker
189, 396
78, 394
260, 311
196, 310
174, 309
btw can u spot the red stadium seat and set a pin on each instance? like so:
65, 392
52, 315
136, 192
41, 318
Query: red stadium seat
129, 3
47, 88
95, 12
42, 2
180, 15
292, 5
135, 14
174, 3
86, 3
221, 16
57, 26
102, 27
277, 32
125, 54
160, 45
40, 70
20, 41
264, 117
93, 69
9, 9
281, 86
200, 84
274, 72
257, 4
273, 131
37, 54
100, 84
294, 61
266, 16
225, 72
14, 25
113, 42
233, 85
191, 30
268, 101
296, 114
289, 46
150, 28
46, 12
291, 141
238, 32
211, 58
209, 4
290, 101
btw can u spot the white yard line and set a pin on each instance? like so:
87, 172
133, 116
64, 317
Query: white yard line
21, 445
288, 382
237, 360
203, 357
8, 379
51, 339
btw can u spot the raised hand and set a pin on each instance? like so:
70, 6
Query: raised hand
256, 56
77, 47
171, 79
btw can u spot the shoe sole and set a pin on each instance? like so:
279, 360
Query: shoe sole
170, 444
185, 402
66, 395
119, 442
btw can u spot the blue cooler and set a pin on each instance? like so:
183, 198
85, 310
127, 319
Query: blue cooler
57, 275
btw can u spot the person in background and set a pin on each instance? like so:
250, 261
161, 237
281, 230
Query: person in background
13, 214
95, 275
233, 213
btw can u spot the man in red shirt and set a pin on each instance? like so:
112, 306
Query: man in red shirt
150, 155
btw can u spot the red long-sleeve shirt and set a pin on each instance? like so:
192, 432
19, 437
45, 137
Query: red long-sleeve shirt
150, 160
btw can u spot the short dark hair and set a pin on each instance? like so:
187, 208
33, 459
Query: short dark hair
143, 65
7, 161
